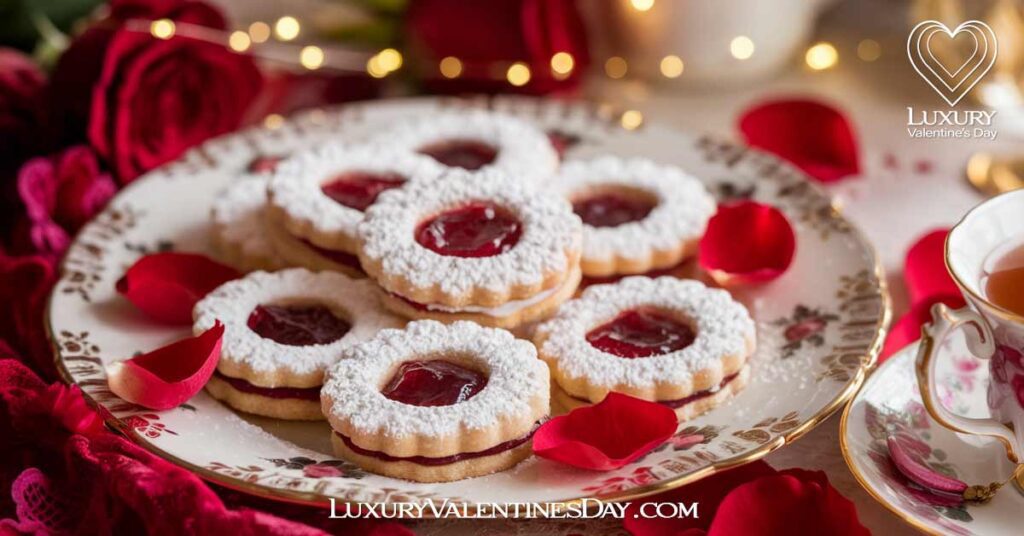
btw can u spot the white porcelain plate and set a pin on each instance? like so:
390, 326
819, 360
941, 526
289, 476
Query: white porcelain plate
890, 402
819, 326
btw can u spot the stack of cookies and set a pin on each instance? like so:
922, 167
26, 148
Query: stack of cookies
467, 225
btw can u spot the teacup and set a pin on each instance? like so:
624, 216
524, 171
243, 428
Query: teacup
992, 332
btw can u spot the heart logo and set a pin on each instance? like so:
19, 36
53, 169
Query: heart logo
952, 84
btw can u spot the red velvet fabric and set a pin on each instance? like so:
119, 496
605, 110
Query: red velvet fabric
68, 474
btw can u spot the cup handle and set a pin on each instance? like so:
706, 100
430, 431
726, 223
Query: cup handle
981, 345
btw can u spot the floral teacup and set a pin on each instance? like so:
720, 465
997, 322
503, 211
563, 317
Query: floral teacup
992, 332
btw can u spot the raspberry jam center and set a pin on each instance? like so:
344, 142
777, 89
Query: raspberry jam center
466, 154
433, 383
475, 230
641, 333
612, 209
359, 189
297, 325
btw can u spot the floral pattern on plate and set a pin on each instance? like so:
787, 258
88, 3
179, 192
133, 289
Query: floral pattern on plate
890, 404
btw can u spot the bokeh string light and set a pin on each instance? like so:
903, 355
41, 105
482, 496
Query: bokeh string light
255, 40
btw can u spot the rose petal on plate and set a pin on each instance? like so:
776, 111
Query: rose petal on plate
166, 286
919, 473
924, 270
747, 242
605, 436
908, 328
168, 376
812, 135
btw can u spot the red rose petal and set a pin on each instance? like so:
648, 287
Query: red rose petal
709, 492
166, 286
794, 501
925, 270
607, 435
814, 136
168, 376
747, 242
908, 328
918, 472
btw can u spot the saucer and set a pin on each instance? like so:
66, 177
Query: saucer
889, 401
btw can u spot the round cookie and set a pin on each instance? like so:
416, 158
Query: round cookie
672, 341
239, 226
436, 402
281, 332
638, 216
469, 239
319, 195
478, 140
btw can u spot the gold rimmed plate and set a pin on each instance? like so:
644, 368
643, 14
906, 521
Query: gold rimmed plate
820, 326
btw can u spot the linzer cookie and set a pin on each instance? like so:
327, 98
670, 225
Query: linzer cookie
672, 341
436, 402
240, 227
295, 251
477, 140
319, 195
480, 246
638, 216
281, 331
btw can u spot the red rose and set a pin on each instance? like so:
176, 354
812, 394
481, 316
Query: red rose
26, 284
488, 36
22, 109
79, 67
803, 329
142, 101
1017, 384
753, 499
156, 98
60, 194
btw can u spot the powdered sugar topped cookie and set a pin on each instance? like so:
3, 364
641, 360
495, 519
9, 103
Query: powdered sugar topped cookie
637, 215
660, 339
282, 329
436, 402
239, 232
479, 238
493, 378
478, 140
320, 195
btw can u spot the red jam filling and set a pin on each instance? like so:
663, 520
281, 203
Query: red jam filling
359, 189
301, 393
562, 141
264, 164
680, 402
297, 325
479, 229
641, 333
611, 209
433, 383
443, 460
340, 257
466, 154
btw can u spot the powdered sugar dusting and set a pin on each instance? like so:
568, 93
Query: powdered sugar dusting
683, 209
515, 377
232, 302
723, 327
238, 219
523, 150
295, 189
550, 232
